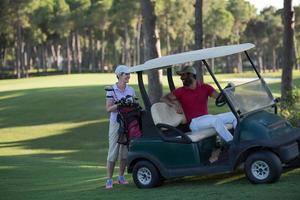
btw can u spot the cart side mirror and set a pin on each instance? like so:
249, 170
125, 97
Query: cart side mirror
277, 100
231, 84
108, 88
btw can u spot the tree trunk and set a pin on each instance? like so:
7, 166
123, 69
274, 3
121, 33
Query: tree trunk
295, 50
73, 52
18, 50
228, 68
141, 47
126, 46
96, 54
167, 28
240, 63
288, 45
41, 58
22, 59
84, 52
198, 37
46, 59
260, 63
30, 58
259, 59
131, 51
78, 51
134, 50
123, 53
91, 52
68, 56
102, 50
183, 42
138, 41
94, 50
213, 43
274, 65
26, 60
36, 60
2, 51
54, 55
59, 57
3, 58
152, 48
239, 57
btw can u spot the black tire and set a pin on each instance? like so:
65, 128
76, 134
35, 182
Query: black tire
146, 175
263, 167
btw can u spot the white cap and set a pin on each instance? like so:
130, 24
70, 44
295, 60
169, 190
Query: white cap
121, 69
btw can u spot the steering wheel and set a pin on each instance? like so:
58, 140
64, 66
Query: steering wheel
220, 100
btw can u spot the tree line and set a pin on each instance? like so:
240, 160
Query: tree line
74, 36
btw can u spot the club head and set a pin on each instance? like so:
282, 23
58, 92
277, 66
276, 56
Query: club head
108, 88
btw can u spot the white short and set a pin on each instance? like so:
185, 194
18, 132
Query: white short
115, 149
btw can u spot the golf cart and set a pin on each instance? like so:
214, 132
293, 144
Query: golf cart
262, 140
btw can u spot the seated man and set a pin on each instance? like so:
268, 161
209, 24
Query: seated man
193, 98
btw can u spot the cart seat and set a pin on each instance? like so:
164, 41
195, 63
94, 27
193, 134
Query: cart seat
205, 133
165, 114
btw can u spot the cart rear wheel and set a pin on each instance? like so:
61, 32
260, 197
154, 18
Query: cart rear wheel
263, 167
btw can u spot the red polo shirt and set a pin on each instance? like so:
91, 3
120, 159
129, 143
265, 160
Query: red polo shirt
194, 101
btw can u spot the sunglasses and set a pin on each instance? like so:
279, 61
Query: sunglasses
124, 74
184, 74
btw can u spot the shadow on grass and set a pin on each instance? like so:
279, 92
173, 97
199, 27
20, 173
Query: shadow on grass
86, 143
68, 181
52, 105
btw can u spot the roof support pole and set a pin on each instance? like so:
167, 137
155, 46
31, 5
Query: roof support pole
170, 79
143, 91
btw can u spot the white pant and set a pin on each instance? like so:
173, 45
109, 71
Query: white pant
215, 121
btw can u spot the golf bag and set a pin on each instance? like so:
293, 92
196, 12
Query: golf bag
130, 123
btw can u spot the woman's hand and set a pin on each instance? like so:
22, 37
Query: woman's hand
110, 106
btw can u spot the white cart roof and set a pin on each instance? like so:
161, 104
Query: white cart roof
191, 56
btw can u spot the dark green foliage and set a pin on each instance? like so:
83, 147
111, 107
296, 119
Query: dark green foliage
290, 109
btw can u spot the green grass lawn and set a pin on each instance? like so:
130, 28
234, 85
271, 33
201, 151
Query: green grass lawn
53, 145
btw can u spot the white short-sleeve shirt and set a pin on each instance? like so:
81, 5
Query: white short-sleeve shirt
116, 95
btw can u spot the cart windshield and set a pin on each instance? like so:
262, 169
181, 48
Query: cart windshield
249, 97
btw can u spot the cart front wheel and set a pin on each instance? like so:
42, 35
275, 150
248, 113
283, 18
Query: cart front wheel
146, 175
263, 167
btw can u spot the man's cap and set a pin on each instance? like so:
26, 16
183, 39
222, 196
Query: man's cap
186, 69
121, 69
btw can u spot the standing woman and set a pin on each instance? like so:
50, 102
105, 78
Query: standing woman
121, 89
